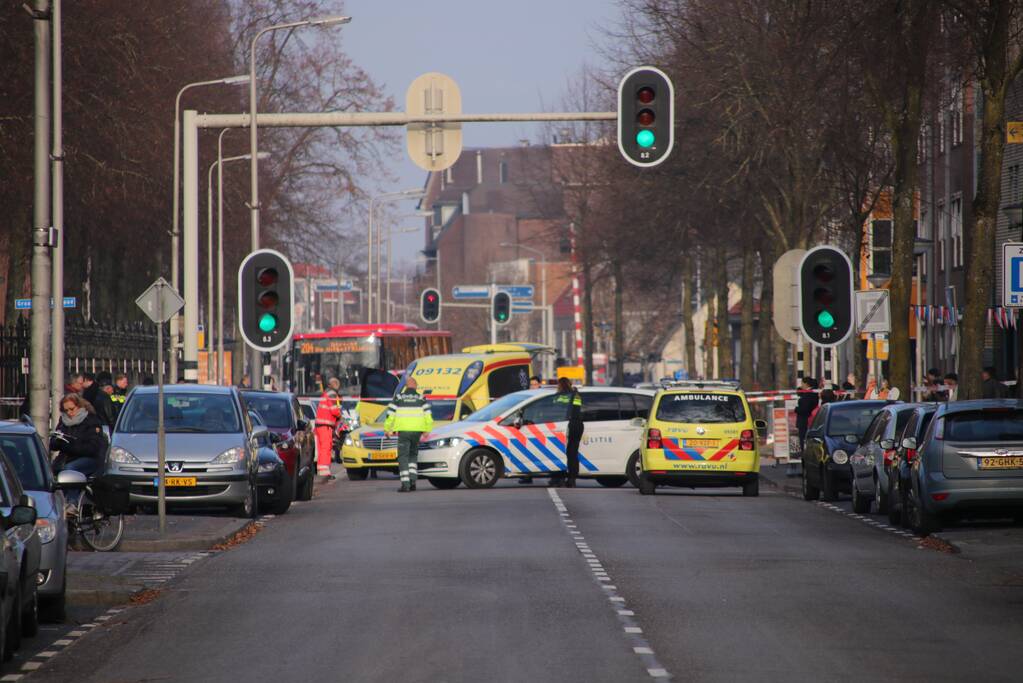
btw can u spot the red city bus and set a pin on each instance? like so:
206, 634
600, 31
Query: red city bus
352, 352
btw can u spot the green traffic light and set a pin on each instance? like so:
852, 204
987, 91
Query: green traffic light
645, 138
268, 322
825, 319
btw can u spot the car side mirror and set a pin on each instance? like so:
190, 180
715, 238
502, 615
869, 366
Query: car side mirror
70, 479
28, 500
20, 514
761, 426
887, 444
852, 439
302, 425
637, 422
259, 433
909, 443
274, 437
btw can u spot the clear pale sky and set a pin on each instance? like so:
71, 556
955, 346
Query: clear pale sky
505, 55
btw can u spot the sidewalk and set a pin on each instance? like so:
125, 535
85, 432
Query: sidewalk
776, 476
184, 532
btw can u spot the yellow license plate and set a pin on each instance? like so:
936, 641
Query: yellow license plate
383, 455
700, 442
1001, 463
176, 481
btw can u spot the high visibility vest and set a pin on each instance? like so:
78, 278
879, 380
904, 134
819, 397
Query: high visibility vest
408, 412
328, 411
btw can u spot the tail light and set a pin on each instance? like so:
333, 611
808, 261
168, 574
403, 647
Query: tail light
889, 455
910, 454
746, 440
939, 429
653, 438
939, 496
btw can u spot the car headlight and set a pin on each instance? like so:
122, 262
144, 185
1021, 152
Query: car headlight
229, 457
46, 529
445, 443
119, 455
267, 466
349, 441
840, 457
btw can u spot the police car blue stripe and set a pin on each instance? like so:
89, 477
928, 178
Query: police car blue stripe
529, 454
508, 454
546, 451
582, 458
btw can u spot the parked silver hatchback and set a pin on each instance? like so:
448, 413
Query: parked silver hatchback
210, 448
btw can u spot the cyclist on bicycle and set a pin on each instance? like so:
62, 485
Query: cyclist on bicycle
78, 438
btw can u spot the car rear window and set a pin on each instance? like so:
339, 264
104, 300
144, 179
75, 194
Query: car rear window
851, 420
701, 408
984, 426
275, 412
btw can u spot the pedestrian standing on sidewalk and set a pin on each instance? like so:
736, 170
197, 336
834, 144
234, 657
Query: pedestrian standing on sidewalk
568, 397
104, 405
89, 387
328, 412
408, 416
808, 400
120, 393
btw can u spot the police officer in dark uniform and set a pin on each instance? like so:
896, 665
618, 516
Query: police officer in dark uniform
568, 397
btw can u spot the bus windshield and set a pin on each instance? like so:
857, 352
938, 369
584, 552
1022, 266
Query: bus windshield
317, 360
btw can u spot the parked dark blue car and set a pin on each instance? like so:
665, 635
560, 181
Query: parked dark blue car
834, 434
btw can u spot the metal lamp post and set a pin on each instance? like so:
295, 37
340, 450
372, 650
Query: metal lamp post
386, 197
253, 135
175, 234
546, 317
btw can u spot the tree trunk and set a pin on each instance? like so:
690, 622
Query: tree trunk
619, 340
726, 361
587, 321
765, 351
746, 325
708, 342
687, 315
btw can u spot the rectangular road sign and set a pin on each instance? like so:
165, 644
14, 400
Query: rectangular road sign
1012, 274
345, 286
517, 291
470, 292
26, 304
873, 312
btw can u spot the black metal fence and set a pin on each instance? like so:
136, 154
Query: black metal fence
89, 347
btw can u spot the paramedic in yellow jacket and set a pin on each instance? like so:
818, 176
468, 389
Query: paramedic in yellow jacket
408, 416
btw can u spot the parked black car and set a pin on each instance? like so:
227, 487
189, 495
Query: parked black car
970, 461
905, 452
835, 432
276, 487
873, 457
19, 563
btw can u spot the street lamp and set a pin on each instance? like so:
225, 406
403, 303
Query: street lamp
230, 80
253, 138
546, 318
411, 193
218, 165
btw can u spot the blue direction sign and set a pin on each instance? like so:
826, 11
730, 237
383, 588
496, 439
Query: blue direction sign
1012, 274
345, 286
470, 292
26, 304
518, 291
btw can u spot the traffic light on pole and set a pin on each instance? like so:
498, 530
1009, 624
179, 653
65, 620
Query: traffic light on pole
500, 308
826, 296
429, 305
265, 300
646, 116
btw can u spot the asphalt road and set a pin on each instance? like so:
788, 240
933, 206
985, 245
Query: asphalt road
591, 584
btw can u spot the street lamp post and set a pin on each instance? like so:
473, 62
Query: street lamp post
545, 317
175, 235
253, 135
386, 197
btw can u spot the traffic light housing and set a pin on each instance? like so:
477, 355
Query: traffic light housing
266, 300
500, 308
646, 116
429, 305
826, 296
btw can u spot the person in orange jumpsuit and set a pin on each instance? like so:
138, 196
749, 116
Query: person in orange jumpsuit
328, 412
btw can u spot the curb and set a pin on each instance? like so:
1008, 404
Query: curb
105, 596
201, 542
783, 486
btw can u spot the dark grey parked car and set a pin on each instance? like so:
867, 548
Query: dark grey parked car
872, 459
970, 461
20, 442
19, 563
905, 452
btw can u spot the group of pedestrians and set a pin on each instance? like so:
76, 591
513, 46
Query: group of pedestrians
105, 394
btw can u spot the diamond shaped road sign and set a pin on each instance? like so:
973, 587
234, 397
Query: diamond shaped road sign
160, 301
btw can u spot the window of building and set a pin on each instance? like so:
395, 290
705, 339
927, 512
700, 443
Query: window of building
881, 247
921, 144
956, 114
1012, 195
941, 132
956, 231
502, 172
942, 237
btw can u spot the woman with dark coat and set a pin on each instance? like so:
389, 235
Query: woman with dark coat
78, 438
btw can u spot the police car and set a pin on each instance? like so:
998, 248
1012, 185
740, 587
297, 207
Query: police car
524, 434
701, 434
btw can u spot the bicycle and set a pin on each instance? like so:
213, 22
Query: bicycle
98, 527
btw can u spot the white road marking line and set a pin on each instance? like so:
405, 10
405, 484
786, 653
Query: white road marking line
643, 650
12, 677
658, 673
31, 666
76, 634
626, 613
63, 641
48, 653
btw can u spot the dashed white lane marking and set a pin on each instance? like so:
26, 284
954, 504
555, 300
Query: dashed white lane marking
633, 633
